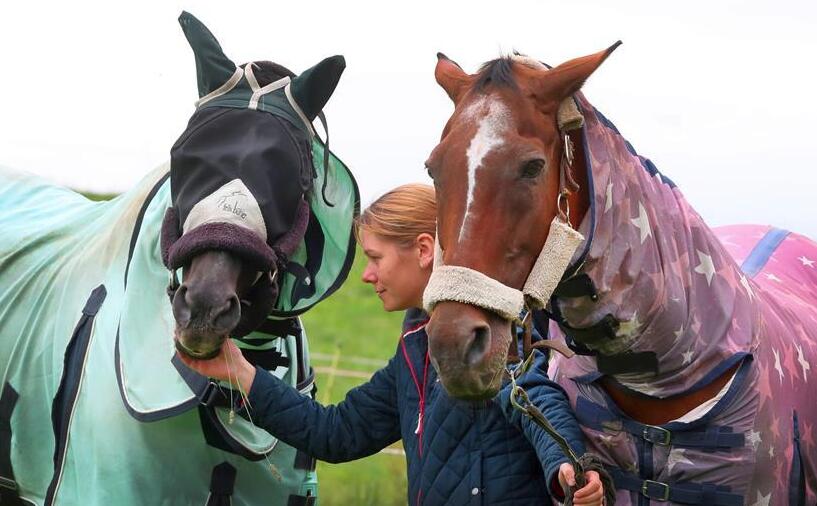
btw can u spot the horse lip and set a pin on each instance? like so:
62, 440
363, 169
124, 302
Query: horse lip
486, 393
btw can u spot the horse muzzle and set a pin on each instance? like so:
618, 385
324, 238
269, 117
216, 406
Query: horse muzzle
204, 317
468, 347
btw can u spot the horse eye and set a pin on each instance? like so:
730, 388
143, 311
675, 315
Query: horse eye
430, 174
532, 168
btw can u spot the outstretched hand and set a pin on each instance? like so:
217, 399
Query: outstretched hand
591, 494
229, 365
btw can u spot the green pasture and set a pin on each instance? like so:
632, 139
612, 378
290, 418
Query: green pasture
352, 335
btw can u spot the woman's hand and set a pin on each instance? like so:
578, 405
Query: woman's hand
229, 365
591, 494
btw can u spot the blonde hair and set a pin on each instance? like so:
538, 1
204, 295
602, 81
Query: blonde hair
401, 214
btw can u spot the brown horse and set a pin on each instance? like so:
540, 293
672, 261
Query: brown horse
502, 134
510, 257
687, 382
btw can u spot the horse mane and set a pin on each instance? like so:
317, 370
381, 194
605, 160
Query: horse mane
497, 72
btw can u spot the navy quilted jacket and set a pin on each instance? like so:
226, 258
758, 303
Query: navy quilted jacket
459, 453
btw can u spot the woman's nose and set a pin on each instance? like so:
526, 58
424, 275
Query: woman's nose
369, 275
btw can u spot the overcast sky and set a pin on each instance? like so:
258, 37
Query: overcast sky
719, 94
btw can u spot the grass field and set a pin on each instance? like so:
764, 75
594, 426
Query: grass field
351, 334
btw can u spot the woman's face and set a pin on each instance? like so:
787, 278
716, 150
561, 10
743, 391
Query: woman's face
399, 274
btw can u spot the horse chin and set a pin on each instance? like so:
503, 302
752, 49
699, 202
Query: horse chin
204, 349
472, 385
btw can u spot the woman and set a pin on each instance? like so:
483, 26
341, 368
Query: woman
457, 452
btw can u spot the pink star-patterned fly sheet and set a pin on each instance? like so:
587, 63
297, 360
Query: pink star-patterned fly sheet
679, 304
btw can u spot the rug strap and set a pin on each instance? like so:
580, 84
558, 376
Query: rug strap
279, 327
304, 461
709, 438
707, 494
302, 500
580, 285
9, 491
222, 483
628, 363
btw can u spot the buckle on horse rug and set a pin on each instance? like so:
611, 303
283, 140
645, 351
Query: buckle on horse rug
214, 396
645, 490
649, 431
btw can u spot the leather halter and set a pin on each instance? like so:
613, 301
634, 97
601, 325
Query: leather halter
567, 186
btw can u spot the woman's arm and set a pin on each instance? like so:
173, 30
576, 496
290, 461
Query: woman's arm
552, 401
365, 422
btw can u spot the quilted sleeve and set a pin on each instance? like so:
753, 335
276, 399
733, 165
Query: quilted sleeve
365, 422
552, 401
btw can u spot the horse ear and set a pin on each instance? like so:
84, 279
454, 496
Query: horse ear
560, 82
314, 86
213, 68
450, 76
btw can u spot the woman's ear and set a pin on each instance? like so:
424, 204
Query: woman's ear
425, 250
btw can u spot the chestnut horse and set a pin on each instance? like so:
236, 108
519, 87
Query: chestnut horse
694, 348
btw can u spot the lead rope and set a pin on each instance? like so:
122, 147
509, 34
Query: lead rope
581, 464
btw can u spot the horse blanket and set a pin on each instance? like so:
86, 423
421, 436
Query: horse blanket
683, 304
94, 409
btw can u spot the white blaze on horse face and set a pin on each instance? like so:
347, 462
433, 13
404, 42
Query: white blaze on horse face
493, 123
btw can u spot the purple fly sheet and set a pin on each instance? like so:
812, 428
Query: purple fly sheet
689, 303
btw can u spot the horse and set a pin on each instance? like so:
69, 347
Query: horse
694, 348
249, 226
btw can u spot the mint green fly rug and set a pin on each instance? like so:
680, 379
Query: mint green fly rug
95, 408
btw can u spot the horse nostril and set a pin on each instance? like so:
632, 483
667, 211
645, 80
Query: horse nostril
226, 317
479, 345
181, 307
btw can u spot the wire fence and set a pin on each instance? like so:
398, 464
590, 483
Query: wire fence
333, 371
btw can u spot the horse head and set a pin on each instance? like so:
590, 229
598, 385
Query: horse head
239, 176
499, 172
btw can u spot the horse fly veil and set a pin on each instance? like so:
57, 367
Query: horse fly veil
277, 197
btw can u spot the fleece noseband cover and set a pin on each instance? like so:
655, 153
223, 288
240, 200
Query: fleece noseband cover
178, 250
468, 286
